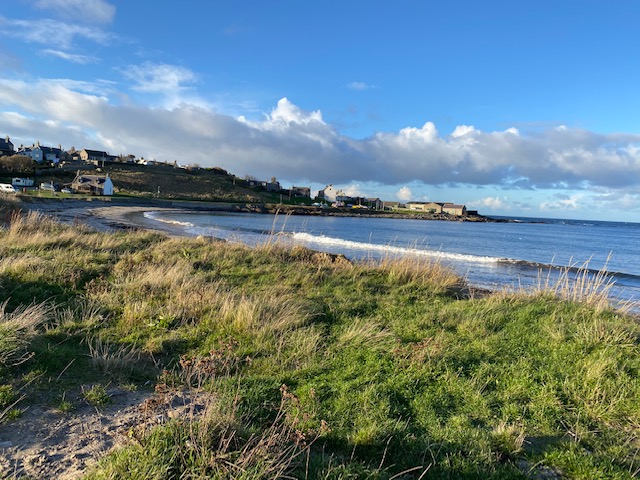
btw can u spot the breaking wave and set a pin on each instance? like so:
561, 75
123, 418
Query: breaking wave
153, 216
323, 240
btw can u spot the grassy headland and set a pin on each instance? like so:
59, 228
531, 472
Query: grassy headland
314, 367
165, 181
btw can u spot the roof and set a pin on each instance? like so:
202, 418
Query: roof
57, 151
95, 153
453, 205
6, 144
97, 179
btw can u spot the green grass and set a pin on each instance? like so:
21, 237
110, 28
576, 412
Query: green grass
314, 367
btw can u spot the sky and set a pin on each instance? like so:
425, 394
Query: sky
517, 108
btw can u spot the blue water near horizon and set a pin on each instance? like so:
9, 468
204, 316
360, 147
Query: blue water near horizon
489, 255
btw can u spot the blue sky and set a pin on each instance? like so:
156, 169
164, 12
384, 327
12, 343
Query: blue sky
513, 108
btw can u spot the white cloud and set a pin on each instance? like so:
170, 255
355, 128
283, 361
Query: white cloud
88, 11
287, 113
159, 77
353, 190
358, 86
564, 202
492, 203
462, 130
54, 34
404, 194
74, 58
292, 143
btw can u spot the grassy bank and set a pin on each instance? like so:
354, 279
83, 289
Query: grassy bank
313, 367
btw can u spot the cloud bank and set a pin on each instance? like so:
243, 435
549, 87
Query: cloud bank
294, 144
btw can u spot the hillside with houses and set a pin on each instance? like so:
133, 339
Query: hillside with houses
96, 172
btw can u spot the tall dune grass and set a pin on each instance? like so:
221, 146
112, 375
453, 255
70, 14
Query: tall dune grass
17, 328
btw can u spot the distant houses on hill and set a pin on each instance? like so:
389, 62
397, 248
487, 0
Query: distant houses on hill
102, 185
437, 207
337, 197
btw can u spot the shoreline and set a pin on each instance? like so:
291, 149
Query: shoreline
111, 215
106, 214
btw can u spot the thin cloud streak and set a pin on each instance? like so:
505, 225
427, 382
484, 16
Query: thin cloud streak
91, 11
70, 57
40, 32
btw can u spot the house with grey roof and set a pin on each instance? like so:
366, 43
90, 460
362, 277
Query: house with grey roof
92, 184
87, 155
40, 153
6, 147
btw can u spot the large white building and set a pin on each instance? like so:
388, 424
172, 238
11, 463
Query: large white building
331, 194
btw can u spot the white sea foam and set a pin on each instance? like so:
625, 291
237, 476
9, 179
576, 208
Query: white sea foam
156, 218
390, 249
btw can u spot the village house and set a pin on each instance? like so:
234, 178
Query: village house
301, 191
391, 205
87, 155
330, 194
6, 147
40, 153
271, 186
374, 203
454, 209
93, 184
437, 207
427, 207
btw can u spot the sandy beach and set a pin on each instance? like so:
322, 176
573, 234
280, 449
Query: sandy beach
111, 215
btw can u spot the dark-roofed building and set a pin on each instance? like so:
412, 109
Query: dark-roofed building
40, 153
6, 147
87, 155
374, 203
301, 191
93, 184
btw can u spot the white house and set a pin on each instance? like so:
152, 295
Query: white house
40, 153
332, 194
94, 184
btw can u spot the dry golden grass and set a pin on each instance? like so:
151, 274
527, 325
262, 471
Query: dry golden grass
579, 284
109, 358
419, 270
367, 334
17, 328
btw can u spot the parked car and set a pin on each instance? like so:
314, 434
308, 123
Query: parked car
7, 188
66, 190
49, 187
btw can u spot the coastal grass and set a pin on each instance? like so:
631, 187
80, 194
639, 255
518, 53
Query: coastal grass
316, 367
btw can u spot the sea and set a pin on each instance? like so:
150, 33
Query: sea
513, 253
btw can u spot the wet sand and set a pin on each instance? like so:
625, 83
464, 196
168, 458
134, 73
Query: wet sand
108, 216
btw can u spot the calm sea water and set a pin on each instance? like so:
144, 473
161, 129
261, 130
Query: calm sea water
489, 255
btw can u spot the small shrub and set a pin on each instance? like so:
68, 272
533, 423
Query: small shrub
96, 395
108, 359
7, 396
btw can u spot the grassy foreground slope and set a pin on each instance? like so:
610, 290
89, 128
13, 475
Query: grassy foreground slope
314, 367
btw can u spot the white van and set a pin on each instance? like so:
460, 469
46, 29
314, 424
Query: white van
7, 188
